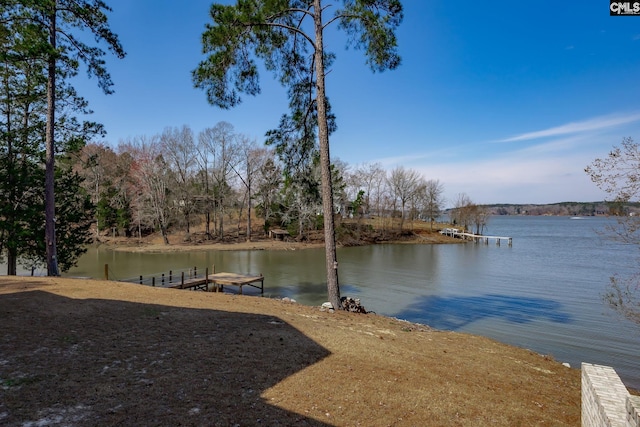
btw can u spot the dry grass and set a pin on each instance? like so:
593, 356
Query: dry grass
86, 353
377, 230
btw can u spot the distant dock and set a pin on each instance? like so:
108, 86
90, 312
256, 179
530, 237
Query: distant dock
477, 238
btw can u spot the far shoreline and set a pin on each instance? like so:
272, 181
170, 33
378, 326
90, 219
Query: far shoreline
154, 246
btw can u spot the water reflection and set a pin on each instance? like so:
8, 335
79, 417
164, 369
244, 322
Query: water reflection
310, 293
544, 293
455, 312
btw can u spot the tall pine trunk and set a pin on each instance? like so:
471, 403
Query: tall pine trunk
49, 196
12, 258
333, 287
248, 208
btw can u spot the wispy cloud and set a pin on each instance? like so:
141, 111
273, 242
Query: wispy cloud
441, 154
516, 178
594, 124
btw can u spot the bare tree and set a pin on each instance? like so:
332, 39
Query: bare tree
460, 213
179, 152
433, 200
371, 178
403, 183
151, 180
302, 202
221, 145
618, 175
204, 178
252, 159
469, 215
479, 217
268, 185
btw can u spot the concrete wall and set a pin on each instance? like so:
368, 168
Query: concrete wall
605, 400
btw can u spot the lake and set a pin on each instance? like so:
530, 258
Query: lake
543, 293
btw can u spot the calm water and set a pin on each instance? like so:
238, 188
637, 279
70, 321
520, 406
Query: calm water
543, 293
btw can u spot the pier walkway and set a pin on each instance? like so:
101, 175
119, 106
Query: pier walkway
477, 238
190, 279
219, 280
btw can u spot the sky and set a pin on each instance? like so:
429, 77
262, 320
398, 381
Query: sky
505, 101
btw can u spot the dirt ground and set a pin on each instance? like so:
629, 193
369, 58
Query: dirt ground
415, 232
94, 353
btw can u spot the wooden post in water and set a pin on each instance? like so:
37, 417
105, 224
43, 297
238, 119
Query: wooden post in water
153, 281
141, 279
182, 280
510, 241
213, 271
170, 276
162, 279
106, 272
206, 279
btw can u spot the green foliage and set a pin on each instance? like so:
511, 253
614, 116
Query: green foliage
23, 228
75, 213
275, 31
21, 207
371, 26
357, 203
30, 46
111, 215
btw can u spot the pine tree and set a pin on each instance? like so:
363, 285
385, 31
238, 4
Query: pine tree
278, 33
38, 55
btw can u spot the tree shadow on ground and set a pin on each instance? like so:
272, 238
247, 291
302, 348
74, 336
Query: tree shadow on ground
102, 362
455, 312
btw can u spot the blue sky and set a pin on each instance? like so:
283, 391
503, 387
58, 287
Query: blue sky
506, 101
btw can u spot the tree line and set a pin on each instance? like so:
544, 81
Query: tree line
177, 180
42, 48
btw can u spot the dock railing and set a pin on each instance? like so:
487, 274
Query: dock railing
194, 279
169, 279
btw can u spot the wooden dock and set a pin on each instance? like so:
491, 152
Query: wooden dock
190, 279
477, 238
219, 280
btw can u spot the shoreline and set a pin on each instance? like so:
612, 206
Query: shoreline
258, 245
155, 244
